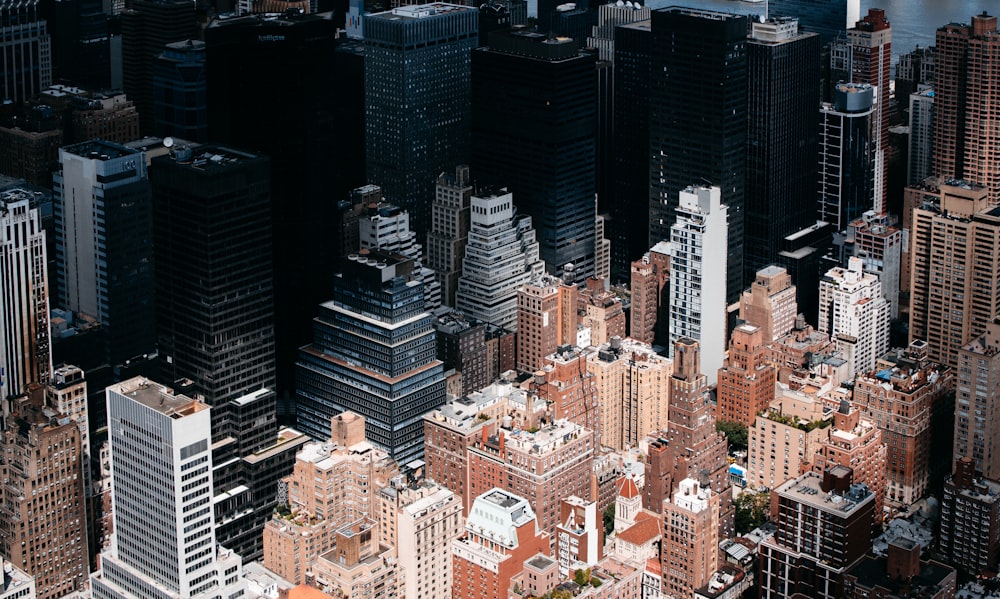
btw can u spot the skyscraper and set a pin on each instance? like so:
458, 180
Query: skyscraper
373, 353
769, 303
871, 60
854, 312
417, 119
847, 145
698, 120
104, 243
546, 320
530, 95
746, 380
921, 151
180, 91
164, 526
978, 401
968, 71
698, 275
25, 52
25, 355
449, 234
828, 18
689, 554
783, 75
384, 226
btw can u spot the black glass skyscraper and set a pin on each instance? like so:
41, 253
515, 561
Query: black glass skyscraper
533, 130
698, 119
417, 100
782, 95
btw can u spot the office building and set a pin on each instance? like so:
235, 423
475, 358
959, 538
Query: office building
700, 135
697, 285
373, 353
147, 26
531, 93
214, 301
43, 520
109, 116
104, 243
879, 245
82, 34
546, 320
417, 120
501, 256
769, 303
970, 519
871, 61
746, 379
824, 526
920, 156
25, 51
827, 18
854, 312
690, 447
650, 280
333, 483
25, 355
783, 63
977, 400
449, 233
906, 395
150, 555
847, 155
689, 554
386, 227
630, 137
967, 72
633, 384
954, 232
256, 64
423, 520
501, 534
563, 454
180, 91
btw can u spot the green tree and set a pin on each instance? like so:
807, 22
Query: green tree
735, 431
751, 510
609, 519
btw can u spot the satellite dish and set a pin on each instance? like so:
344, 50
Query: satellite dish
168, 142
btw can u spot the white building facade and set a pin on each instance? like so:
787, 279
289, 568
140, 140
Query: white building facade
854, 312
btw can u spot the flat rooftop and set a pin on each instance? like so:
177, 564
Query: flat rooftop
806, 489
100, 150
159, 397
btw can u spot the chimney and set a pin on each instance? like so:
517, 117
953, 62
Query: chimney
501, 442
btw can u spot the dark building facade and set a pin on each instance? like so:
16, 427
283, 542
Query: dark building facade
846, 174
533, 129
81, 43
180, 92
373, 353
782, 95
25, 51
828, 18
698, 120
417, 119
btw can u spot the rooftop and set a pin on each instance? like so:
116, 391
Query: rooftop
807, 489
98, 149
871, 572
420, 11
158, 397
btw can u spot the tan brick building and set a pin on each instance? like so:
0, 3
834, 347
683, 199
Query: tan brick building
746, 379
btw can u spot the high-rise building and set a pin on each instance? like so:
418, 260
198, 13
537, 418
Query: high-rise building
952, 239
783, 65
180, 91
81, 44
570, 389
824, 526
871, 61
847, 147
104, 243
386, 227
215, 310
359, 565
25, 52
977, 402
546, 320
148, 26
906, 395
769, 303
920, 156
501, 533
449, 233
829, 18
43, 467
25, 355
531, 93
697, 274
462, 346
417, 120
746, 379
689, 553
17, 584
633, 384
699, 135
164, 525
500, 257
968, 71
650, 294
579, 536
879, 245
374, 353
854, 312
970, 518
